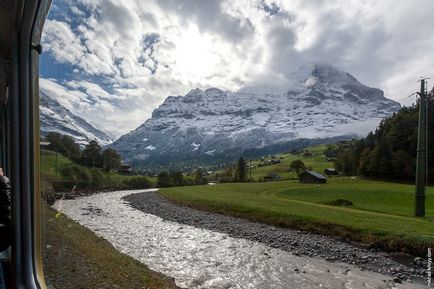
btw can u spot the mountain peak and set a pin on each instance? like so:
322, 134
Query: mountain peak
322, 73
319, 101
194, 92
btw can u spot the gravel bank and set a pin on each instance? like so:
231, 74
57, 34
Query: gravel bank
296, 242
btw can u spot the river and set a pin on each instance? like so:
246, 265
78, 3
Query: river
201, 258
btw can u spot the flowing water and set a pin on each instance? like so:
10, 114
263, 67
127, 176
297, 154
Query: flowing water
199, 258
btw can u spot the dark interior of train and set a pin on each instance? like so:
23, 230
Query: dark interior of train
20, 29
5, 56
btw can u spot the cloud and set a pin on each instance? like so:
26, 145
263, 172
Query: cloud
91, 102
69, 98
62, 42
126, 56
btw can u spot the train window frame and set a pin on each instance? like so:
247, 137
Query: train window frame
20, 138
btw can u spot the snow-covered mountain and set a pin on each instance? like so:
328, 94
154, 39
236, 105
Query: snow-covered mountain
56, 118
319, 101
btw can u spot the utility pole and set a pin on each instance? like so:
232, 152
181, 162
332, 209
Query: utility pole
421, 159
56, 164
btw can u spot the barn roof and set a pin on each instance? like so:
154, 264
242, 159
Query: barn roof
316, 175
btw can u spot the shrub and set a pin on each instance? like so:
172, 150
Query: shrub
64, 186
340, 202
98, 179
137, 183
189, 182
75, 175
164, 180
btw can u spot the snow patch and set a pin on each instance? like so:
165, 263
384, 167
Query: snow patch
311, 81
195, 146
210, 153
150, 147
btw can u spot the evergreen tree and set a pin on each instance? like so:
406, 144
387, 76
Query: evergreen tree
390, 151
241, 172
64, 145
199, 177
91, 155
110, 159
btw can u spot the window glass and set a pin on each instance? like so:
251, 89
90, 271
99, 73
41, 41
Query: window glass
237, 144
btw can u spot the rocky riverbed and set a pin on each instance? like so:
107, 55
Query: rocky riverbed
296, 242
203, 250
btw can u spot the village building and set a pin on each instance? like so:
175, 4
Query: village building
331, 172
312, 177
272, 177
125, 169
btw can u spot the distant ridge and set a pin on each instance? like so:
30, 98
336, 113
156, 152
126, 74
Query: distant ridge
56, 118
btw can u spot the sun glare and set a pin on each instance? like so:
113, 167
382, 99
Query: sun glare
196, 56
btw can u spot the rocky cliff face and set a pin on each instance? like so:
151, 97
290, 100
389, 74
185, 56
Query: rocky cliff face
56, 118
320, 101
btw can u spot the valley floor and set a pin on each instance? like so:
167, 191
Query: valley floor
374, 212
197, 256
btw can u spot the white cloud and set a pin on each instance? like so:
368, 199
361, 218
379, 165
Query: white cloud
60, 40
127, 56
67, 97
88, 101
90, 88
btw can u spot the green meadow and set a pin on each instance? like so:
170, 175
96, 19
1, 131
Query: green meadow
50, 163
380, 211
315, 161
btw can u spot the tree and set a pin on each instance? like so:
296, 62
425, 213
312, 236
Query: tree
177, 178
64, 145
241, 171
164, 180
73, 149
199, 177
345, 162
390, 151
297, 166
54, 139
91, 155
110, 159
227, 175
330, 151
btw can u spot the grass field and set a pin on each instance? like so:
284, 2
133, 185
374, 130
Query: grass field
49, 167
380, 211
76, 258
317, 161
48, 162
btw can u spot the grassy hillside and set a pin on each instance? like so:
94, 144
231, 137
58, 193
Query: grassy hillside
50, 163
380, 211
316, 161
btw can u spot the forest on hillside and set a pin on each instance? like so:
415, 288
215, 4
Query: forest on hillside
389, 152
